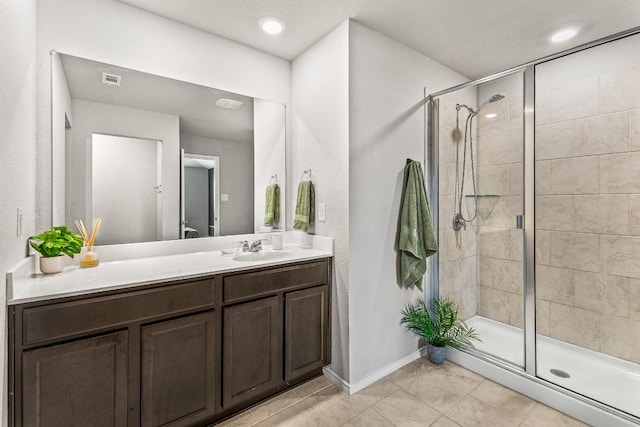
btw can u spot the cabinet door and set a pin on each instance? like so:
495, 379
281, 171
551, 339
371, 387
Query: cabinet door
80, 383
251, 363
306, 331
178, 375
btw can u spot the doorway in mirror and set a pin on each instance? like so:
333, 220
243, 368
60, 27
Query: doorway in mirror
200, 201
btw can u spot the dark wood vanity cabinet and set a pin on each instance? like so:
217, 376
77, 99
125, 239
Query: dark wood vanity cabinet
177, 353
307, 332
251, 361
82, 382
178, 381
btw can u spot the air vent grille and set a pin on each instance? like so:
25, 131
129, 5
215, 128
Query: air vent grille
111, 79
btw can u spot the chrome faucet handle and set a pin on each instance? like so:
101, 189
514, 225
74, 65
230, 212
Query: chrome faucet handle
256, 245
244, 245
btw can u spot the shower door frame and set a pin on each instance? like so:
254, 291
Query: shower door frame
529, 274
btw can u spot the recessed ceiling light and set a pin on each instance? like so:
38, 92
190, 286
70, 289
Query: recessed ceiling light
271, 24
564, 35
491, 115
230, 104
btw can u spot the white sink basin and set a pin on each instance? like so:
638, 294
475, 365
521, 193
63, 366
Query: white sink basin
261, 256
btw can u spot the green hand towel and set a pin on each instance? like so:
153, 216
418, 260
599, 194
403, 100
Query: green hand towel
416, 240
272, 205
305, 206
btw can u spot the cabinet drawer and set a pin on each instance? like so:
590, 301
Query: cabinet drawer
75, 318
266, 282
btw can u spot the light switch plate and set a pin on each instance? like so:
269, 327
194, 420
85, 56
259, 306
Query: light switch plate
321, 211
19, 222
224, 197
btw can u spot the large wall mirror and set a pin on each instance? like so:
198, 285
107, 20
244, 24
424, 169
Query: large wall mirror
161, 159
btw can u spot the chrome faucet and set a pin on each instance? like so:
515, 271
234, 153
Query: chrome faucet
256, 246
244, 246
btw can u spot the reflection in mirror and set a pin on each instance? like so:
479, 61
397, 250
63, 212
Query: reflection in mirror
201, 195
117, 138
127, 172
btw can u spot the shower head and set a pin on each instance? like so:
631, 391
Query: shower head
493, 98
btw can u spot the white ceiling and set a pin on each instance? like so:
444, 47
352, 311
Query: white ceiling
194, 104
474, 37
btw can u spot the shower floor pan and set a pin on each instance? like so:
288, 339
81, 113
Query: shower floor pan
607, 379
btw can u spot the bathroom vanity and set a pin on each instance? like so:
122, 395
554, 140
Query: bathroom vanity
185, 350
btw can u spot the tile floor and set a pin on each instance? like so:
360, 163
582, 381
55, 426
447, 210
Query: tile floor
419, 394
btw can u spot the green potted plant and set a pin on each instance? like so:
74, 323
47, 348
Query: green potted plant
440, 326
53, 244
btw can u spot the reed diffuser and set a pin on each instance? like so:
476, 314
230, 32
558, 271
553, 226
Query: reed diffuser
89, 258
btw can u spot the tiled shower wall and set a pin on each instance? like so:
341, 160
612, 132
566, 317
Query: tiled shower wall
457, 252
588, 212
500, 179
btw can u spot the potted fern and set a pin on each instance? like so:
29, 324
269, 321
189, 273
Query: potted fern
54, 243
440, 326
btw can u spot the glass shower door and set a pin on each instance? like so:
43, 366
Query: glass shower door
480, 198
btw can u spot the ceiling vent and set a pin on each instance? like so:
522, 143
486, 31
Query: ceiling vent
111, 79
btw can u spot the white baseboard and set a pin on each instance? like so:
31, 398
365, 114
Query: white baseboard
371, 378
336, 379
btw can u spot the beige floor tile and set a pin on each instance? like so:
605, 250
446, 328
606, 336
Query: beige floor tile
544, 416
377, 391
368, 418
471, 412
445, 422
425, 393
244, 419
299, 415
277, 404
312, 386
504, 399
443, 386
331, 406
403, 409
410, 371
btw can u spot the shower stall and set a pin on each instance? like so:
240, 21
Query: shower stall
535, 185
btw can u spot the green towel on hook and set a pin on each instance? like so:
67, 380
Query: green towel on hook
416, 239
272, 205
305, 206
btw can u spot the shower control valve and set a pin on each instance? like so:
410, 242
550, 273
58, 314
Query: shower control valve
459, 222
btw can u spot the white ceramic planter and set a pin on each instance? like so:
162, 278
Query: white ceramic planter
52, 265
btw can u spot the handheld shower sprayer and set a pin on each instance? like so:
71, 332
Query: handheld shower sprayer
459, 221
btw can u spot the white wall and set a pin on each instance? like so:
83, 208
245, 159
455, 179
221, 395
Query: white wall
110, 31
236, 180
269, 156
320, 88
17, 147
91, 117
386, 126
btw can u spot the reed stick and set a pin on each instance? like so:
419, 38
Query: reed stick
89, 240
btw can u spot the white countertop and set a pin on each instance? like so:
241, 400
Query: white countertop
24, 285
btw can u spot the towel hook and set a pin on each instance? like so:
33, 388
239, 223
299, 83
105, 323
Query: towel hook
274, 179
306, 173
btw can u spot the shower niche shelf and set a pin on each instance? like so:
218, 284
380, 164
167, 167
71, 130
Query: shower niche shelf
486, 203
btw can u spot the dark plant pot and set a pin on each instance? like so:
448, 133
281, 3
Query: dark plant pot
436, 354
